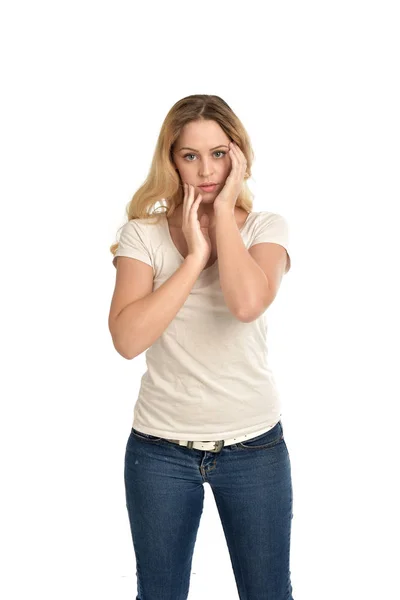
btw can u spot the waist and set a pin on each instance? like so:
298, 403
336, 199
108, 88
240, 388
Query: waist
217, 445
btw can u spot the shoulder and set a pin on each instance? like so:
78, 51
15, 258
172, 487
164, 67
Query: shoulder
141, 224
265, 219
268, 216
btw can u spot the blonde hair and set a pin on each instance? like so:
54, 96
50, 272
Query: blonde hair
163, 181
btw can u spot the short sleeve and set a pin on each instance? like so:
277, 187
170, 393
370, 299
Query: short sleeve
272, 227
132, 243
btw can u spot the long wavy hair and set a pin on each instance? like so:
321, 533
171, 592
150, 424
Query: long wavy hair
163, 184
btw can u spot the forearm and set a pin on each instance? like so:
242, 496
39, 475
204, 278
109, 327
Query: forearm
242, 281
142, 322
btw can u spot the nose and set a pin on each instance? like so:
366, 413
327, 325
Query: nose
205, 169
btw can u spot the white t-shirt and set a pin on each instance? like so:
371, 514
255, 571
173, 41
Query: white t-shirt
207, 375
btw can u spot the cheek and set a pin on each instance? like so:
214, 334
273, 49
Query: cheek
183, 167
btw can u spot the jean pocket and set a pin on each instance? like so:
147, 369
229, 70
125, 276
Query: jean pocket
145, 436
266, 440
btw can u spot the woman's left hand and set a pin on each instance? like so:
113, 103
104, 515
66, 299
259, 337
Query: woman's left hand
227, 197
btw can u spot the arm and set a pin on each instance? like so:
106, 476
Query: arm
243, 282
143, 321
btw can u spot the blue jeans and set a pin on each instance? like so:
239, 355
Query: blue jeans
252, 486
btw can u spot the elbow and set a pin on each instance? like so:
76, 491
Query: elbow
120, 349
260, 308
249, 315
122, 352
126, 356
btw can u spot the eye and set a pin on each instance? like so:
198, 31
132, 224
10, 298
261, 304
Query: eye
216, 152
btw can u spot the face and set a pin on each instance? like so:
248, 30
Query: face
201, 155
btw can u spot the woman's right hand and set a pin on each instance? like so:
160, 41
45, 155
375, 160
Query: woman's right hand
195, 232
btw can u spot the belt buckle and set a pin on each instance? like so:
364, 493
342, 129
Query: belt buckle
218, 445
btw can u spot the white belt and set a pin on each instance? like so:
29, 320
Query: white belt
217, 445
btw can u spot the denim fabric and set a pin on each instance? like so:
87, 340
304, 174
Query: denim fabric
252, 486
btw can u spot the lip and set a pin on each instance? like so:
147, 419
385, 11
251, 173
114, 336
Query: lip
208, 187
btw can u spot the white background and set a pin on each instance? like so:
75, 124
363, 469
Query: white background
85, 89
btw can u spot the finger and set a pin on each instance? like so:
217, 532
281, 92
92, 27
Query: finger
196, 203
191, 196
184, 208
189, 199
233, 156
239, 162
240, 157
237, 153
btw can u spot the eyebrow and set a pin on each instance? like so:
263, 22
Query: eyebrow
186, 148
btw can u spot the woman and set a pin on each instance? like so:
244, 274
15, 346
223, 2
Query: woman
192, 286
